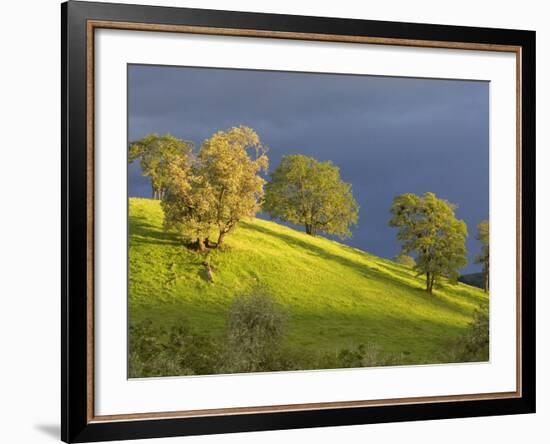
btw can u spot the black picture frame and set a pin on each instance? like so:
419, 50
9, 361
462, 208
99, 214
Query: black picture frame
76, 424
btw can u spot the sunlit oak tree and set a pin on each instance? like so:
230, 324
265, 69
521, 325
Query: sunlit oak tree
185, 204
429, 228
305, 191
217, 188
230, 162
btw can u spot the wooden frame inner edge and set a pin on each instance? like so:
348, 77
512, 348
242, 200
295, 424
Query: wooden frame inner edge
90, 350
94, 24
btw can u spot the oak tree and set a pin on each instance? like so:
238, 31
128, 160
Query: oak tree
230, 163
214, 190
155, 154
185, 204
429, 228
305, 191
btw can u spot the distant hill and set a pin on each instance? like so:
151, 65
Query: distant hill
336, 296
474, 279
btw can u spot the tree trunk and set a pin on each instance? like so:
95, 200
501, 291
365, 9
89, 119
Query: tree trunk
486, 283
220, 239
428, 282
200, 245
310, 229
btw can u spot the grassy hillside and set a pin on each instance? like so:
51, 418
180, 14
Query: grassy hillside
336, 296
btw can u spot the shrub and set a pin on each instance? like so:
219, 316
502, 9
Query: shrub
406, 260
253, 343
255, 328
369, 355
194, 354
474, 345
176, 351
144, 348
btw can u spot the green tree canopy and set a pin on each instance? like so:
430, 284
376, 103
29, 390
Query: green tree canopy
305, 191
429, 228
483, 257
218, 187
155, 154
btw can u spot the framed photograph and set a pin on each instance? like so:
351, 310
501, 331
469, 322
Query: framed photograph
275, 221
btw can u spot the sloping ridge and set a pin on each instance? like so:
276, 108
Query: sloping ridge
336, 296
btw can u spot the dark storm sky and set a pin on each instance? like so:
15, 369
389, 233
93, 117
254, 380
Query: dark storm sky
388, 135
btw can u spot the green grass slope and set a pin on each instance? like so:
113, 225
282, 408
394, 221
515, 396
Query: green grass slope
336, 296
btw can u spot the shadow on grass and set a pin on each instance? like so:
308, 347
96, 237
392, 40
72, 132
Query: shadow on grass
394, 270
456, 289
422, 342
463, 293
365, 270
141, 231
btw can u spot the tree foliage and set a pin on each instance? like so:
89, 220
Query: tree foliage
406, 260
230, 163
156, 154
483, 257
428, 227
186, 205
305, 191
217, 188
